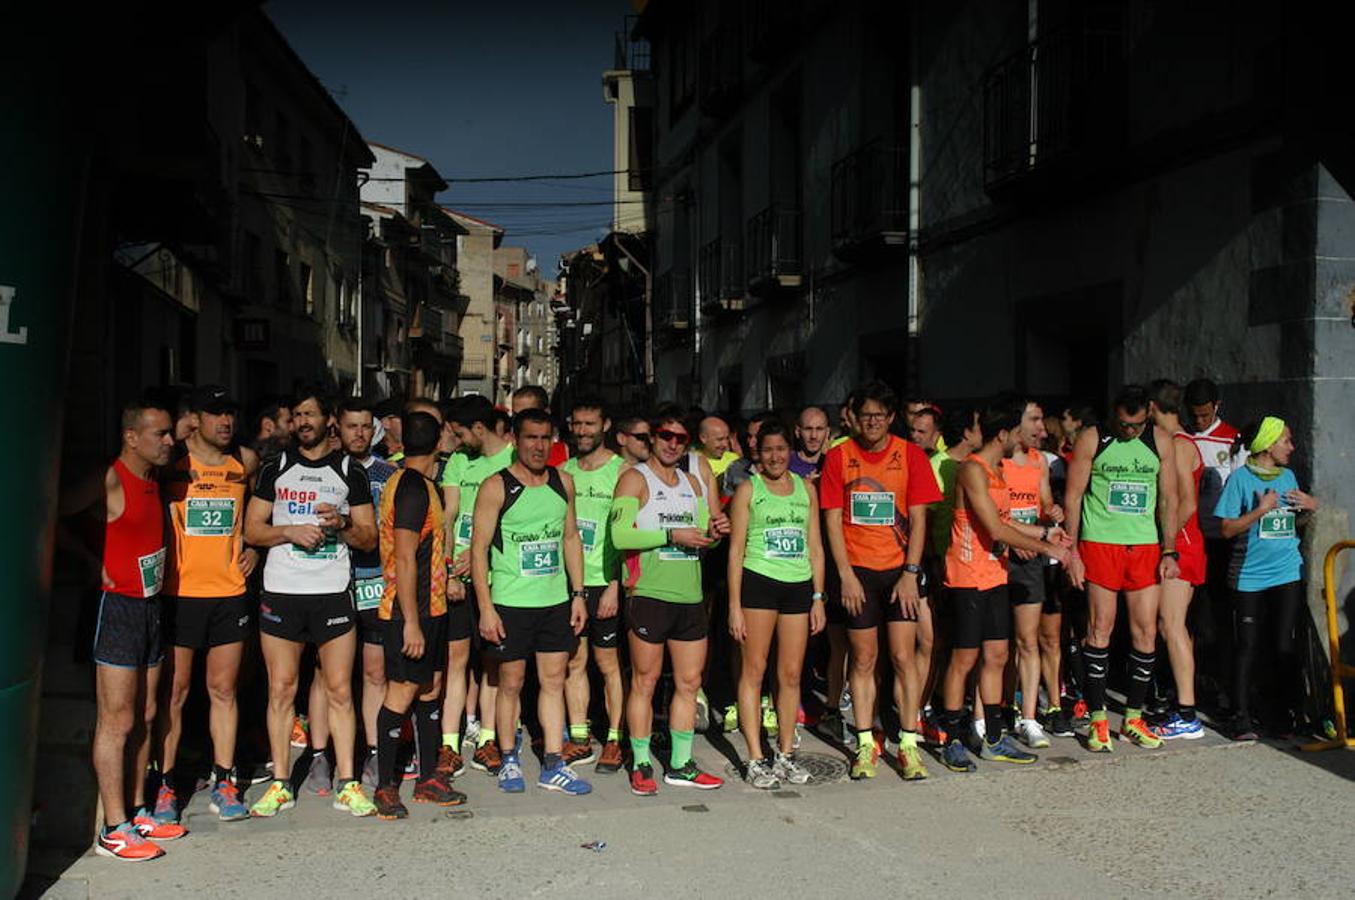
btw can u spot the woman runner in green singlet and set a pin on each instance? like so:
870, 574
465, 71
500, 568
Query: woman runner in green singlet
775, 588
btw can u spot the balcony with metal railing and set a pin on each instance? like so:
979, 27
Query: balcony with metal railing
473, 367
870, 201
773, 251
673, 304
720, 280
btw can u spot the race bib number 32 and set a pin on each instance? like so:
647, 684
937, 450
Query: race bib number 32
1129, 498
539, 558
209, 516
872, 508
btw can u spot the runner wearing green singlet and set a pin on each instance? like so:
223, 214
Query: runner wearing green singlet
595, 471
486, 452
661, 519
775, 590
526, 533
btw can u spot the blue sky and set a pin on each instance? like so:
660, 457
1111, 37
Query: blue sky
480, 90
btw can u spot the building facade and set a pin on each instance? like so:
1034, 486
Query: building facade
524, 324
475, 260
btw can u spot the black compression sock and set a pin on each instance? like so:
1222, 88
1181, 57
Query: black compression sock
428, 735
1096, 661
1140, 677
388, 727
220, 774
993, 722
1187, 713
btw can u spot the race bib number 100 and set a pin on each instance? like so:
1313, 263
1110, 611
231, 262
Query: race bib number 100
368, 592
872, 508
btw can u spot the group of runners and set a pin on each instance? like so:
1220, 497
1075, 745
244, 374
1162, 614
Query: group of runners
454, 561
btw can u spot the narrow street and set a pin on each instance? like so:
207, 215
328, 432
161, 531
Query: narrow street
1207, 818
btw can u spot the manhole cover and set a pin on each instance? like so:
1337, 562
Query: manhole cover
823, 768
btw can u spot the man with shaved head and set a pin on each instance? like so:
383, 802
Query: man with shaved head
811, 436
714, 437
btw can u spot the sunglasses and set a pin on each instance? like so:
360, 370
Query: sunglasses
680, 437
639, 435
1127, 426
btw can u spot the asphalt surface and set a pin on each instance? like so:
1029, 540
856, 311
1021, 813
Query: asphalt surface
1205, 818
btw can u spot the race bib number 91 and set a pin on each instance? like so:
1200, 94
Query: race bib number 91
1277, 524
873, 508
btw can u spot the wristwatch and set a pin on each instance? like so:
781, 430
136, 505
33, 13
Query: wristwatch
817, 595
912, 568
1173, 554
1044, 535
579, 594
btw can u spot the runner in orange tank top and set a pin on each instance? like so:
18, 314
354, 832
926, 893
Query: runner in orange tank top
976, 573
207, 608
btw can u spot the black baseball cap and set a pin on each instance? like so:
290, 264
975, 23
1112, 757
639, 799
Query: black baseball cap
212, 398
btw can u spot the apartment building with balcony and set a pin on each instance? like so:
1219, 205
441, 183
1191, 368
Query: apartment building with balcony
475, 260
525, 324
780, 264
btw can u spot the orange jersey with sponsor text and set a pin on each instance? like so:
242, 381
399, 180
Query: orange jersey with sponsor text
1023, 483
205, 505
974, 559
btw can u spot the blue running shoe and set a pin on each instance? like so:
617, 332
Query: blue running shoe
226, 802
955, 757
1005, 750
1177, 727
510, 776
562, 779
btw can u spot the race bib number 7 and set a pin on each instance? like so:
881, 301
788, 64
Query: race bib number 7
872, 508
1128, 498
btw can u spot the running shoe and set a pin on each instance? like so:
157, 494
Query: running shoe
300, 732
450, 763
955, 757
262, 774
932, 733
1136, 731
864, 764
1031, 734
388, 805
702, 711
1006, 750
1081, 712
910, 760
562, 778
786, 767
769, 720
166, 810
642, 782
1176, 727
156, 831
1059, 723
830, 725
438, 791
691, 776
320, 778
510, 776
578, 753
352, 798
731, 723
759, 774
487, 758
1098, 734
127, 844
609, 762
472, 734
370, 772
226, 802
1241, 728
277, 798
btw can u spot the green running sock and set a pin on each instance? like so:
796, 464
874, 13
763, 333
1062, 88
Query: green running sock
452, 739
865, 739
682, 747
1130, 714
639, 750
613, 734
486, 735
907, 739
578, 733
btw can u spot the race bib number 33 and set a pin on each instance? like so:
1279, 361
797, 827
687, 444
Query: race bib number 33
872, 508
539, 558
1129, 498
209, 516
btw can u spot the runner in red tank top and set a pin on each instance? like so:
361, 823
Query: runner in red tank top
127, 648
1165, 403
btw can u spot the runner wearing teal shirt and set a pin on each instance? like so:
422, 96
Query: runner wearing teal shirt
595, 471
1260, 510
661, 520
775, 588
484, 451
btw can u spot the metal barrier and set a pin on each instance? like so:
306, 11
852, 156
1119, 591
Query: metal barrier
1339, 670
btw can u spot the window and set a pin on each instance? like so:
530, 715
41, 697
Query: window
540, 344
308, 289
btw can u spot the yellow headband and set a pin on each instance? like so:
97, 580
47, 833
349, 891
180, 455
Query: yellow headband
1266, 436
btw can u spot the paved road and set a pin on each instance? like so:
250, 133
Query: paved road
1206, 818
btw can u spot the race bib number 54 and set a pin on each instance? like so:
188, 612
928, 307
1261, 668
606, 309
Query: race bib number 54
539, 558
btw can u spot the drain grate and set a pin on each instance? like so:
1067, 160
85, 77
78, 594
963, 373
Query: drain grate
823, 769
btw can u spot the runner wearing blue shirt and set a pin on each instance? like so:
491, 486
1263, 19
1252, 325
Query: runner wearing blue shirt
1259, 510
